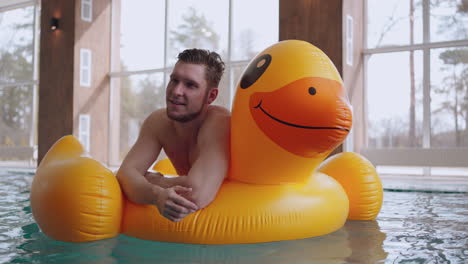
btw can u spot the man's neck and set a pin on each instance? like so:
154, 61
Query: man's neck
189, 130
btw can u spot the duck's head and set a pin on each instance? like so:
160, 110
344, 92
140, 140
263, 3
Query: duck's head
295, 96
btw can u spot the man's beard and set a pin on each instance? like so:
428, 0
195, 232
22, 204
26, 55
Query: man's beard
191, 116
185, 118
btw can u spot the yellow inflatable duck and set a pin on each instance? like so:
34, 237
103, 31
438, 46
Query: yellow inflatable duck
290, 111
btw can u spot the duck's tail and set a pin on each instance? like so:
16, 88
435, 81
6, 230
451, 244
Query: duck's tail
75, 198
360, 181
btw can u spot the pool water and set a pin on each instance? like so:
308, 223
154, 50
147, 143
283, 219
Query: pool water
413, 227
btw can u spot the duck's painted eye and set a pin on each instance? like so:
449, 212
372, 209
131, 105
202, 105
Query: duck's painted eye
312, 91
255, 70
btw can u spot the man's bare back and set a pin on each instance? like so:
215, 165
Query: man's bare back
194, 135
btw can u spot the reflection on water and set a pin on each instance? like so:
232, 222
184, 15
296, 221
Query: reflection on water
412, 228
366, 242
333, 248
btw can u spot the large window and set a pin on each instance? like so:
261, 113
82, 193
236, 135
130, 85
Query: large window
416, 77
151, 34
18, 83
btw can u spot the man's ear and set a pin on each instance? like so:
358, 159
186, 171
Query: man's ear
212, 94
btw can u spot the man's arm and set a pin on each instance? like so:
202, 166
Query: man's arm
166, 182
145, 150
211, 166
138, 189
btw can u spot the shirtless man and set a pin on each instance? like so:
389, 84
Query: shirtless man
194, 135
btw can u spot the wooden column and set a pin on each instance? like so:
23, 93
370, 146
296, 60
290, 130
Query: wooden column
56, 75
316, 21
61, 96
322, 24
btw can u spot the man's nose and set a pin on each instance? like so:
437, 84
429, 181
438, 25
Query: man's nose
178, 89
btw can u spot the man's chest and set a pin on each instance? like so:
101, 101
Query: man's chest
182, 156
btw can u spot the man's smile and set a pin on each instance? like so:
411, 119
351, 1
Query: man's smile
175, 102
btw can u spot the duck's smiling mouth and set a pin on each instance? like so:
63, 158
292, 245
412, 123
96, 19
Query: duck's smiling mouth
259, 106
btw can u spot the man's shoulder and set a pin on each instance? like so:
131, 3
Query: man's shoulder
157, 116
216, 111
217, 116
217, 120
156, 120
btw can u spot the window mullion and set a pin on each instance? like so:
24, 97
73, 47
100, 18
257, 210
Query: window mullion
166, 27
36, 23
426, 77
365, 86
229, 54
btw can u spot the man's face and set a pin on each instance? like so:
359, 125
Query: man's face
187, 92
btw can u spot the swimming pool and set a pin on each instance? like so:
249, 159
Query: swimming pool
413, 227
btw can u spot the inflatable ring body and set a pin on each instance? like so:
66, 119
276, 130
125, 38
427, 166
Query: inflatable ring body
290, 111
246, 213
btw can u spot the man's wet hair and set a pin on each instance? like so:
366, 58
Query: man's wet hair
214, 65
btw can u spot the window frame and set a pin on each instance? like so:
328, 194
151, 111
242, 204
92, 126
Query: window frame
86, 69
89, 4
425, 156
34, 82
114, 74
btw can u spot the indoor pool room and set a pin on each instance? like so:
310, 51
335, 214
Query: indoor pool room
234, 131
